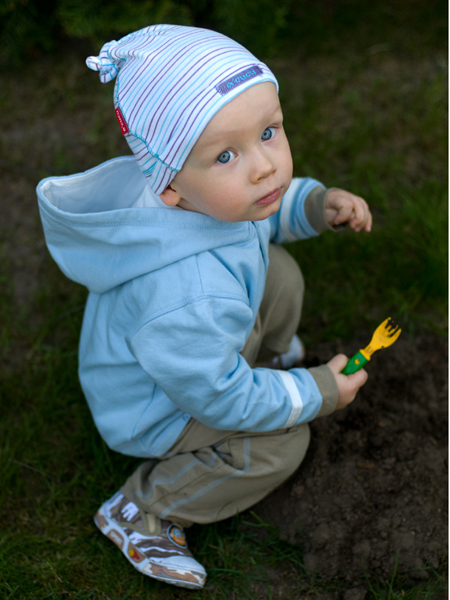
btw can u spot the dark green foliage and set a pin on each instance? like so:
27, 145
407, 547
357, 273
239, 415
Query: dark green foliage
34, 26
30, 27
27, 26
258, 24
99, 21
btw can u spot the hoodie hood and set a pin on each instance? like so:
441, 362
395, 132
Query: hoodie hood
105, 226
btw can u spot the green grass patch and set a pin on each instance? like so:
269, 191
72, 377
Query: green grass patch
373, 126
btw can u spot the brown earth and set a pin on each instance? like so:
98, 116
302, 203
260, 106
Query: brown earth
371, 495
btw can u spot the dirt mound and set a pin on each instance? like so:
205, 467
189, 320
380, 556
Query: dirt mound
373, 488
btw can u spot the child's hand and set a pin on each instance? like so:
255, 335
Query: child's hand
343, 207
348, 385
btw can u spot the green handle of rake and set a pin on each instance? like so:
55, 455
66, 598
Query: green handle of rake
355, 363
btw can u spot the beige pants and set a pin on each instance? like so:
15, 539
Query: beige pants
208, 474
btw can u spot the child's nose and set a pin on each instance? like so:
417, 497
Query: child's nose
263, 165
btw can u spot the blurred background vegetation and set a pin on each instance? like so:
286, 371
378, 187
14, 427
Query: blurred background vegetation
267, 27
364, 91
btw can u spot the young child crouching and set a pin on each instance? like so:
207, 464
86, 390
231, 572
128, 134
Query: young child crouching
192, 298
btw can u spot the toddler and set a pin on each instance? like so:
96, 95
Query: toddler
188, 346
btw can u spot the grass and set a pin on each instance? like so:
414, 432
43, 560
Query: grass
369, 118
390, 158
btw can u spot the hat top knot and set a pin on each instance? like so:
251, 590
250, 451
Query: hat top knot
107, 66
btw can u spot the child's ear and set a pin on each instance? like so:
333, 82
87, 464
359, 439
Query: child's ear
170, 197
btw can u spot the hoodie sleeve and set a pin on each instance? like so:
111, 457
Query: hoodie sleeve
192, 353
302, 212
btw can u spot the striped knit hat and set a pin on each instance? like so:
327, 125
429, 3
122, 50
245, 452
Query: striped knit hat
171, 81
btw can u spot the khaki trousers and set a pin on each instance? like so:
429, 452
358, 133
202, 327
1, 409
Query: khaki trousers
209, 474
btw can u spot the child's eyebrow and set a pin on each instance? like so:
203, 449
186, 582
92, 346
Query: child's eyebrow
219, 139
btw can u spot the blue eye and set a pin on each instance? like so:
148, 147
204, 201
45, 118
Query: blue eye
225, 157
268, 134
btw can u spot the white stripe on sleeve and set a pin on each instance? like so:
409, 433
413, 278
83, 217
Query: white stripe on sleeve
294, 394
285, 213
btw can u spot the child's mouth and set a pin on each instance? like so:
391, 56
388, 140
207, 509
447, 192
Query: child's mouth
272, 197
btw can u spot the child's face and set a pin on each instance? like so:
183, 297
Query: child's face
241, 165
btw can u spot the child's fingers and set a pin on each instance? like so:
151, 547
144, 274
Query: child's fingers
362, 214
337, 363
348, 385
344, 207
355, 380
344, 213
358, 379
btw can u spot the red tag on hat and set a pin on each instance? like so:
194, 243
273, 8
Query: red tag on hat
123, 125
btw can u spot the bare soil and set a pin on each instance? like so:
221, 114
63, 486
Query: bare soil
371, 495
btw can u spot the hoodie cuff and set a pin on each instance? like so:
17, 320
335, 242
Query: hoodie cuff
328, 389
315, 209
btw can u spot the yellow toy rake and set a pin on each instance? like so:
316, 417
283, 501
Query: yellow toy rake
384, 336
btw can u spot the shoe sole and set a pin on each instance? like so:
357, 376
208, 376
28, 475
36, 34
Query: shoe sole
113, 531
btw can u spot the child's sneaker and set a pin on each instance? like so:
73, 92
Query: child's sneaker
293, 357
162, 553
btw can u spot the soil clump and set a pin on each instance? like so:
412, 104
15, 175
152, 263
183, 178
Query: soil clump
371, 495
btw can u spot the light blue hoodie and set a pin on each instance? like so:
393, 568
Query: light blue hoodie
173, 297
